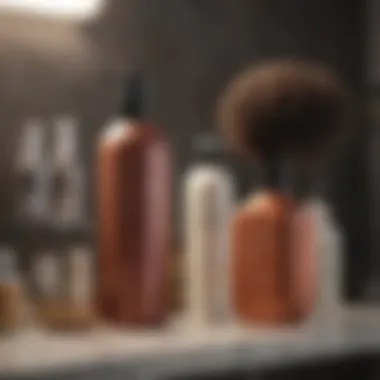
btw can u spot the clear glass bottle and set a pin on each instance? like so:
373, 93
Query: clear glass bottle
208, 207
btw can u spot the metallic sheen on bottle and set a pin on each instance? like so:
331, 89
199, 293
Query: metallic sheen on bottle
134, 217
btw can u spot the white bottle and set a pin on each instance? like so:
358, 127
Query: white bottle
329, 239
31, 174
208, 201
68, 176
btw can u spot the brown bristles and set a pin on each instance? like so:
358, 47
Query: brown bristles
285, 107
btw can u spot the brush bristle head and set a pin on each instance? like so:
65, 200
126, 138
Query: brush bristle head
285, 107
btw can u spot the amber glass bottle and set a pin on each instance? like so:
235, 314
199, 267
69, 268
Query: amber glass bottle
134, 216
268, 257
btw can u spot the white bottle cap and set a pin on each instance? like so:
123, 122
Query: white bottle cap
65, 140
31, 146
8, 264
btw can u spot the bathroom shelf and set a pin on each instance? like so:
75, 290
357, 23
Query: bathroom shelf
178, 351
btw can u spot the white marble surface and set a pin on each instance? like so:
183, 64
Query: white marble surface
179, 350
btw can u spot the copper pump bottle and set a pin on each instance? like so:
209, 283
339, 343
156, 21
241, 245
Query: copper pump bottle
134, 216
269, 257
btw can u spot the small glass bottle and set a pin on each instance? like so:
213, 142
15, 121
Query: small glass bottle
12, 299
208, 202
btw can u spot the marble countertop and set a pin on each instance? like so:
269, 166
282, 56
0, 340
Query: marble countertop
180, 350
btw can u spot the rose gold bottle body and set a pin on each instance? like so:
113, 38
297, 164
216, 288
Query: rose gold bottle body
134, 214
272, 260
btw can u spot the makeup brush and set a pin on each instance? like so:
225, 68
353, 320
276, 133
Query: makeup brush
276, 112
300, 109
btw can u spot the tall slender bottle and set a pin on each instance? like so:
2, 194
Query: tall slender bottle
134, 215
67, 175
208, 204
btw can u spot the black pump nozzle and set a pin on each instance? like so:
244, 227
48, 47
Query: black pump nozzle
132, 98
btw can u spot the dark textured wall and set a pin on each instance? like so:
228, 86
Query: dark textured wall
187, 49
373, 82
